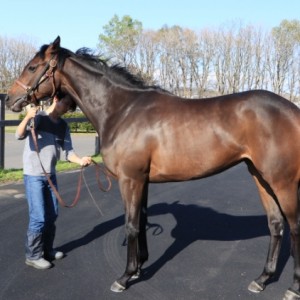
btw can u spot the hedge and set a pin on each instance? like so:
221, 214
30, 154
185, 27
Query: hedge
74, 126
79, 127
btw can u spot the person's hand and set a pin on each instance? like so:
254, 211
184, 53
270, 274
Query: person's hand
22, 127
85, 161
32, 111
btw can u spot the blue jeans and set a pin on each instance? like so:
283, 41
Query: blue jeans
42, 204
43, 211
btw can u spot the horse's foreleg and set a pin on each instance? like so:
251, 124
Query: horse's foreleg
132, 192
276, 226
142, 239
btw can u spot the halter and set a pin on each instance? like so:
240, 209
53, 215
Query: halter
48, 72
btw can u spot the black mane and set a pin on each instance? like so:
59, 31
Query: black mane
116, 72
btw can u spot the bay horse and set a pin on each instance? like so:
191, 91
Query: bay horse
150, 135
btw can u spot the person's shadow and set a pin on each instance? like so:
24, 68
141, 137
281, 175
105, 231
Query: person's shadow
192, 223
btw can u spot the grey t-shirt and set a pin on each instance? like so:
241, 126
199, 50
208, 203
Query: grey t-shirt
51, 137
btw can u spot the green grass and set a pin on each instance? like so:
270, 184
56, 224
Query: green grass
10, 175
14, 175
9, 117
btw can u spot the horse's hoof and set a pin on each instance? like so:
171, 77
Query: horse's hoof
290, 295
117, 287
254, 287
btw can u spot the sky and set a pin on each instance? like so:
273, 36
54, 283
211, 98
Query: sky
79, 23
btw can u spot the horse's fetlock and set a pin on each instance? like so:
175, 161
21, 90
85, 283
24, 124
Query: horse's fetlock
132, 268
270, 269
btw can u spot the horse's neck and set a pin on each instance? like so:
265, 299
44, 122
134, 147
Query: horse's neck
97, 101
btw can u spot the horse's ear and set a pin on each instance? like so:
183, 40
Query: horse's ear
56, 43
54, 47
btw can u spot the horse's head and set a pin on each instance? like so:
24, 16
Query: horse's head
37, 81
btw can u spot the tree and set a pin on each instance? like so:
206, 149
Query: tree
147, 56
202, 62
14, 55
178, 59
285, 38
230, 59
120, 39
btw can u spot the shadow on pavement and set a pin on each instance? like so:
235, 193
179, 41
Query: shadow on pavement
192, 223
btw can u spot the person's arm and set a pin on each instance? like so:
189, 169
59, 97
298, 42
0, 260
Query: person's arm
22, 127
70, 153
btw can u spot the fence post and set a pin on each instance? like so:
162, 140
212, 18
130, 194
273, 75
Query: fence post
2, 130
97, 145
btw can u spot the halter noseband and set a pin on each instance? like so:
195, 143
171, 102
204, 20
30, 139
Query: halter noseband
47, 72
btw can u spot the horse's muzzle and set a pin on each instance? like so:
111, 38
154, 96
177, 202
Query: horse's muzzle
19, 104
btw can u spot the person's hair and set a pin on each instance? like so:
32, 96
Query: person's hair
61, 95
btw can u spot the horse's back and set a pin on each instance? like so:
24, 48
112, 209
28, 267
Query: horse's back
206, 136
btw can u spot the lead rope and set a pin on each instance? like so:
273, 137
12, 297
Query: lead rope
76, 199
91, 195
103, 189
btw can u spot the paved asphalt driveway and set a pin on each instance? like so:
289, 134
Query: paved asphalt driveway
207, 240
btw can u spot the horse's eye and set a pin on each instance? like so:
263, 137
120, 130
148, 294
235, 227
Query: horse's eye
32, 68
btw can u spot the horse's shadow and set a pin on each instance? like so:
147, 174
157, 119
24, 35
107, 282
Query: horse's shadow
192, 223
201, 223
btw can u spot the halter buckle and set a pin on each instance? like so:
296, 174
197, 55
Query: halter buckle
52, 63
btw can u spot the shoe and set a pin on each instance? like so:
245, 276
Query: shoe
55, 254
40, 263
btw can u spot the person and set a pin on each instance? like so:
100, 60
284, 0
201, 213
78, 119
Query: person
52, 134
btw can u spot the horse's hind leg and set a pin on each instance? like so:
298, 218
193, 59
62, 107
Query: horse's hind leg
287, 198
276, 226
289, 202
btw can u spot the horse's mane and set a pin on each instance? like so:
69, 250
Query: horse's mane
115, 72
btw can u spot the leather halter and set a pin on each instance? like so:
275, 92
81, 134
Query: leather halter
48, 72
